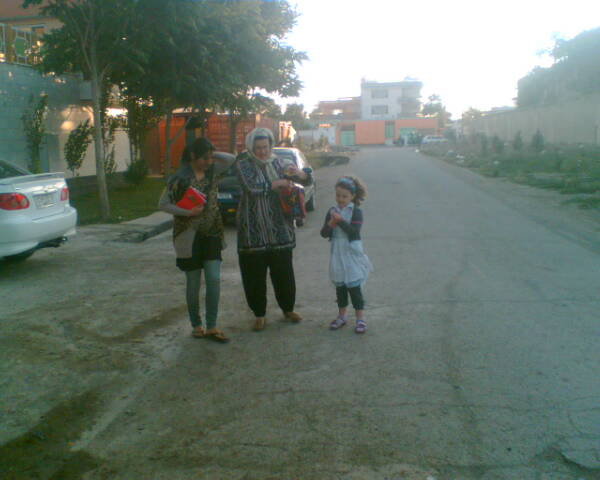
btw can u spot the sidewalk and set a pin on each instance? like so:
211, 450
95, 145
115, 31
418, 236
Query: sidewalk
133, 231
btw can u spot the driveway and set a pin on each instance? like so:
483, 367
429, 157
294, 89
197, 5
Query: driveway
481, 360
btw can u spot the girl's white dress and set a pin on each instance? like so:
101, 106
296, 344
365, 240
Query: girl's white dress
349, 265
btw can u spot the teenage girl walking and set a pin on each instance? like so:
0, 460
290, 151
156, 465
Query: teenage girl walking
198, 234
349, 266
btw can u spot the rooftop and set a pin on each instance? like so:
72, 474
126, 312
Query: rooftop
403, 83
12, 10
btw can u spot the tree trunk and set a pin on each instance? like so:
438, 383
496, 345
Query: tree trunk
233, 123
98, 147
168, 142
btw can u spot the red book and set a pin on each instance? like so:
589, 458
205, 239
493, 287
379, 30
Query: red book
192, 198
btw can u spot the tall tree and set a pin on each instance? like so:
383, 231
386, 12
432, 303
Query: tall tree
576, 71
240, 107
93, 40
259, 60
436, 108
294, 112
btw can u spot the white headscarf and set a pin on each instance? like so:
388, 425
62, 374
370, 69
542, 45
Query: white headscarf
251, 138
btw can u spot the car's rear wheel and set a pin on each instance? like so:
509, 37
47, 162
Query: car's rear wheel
311, 205
20, 257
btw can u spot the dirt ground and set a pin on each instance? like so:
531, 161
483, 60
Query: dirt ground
481, 361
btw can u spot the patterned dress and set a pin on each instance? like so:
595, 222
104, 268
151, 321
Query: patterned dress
199, 238
262, 223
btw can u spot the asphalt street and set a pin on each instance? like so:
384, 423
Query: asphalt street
481, 360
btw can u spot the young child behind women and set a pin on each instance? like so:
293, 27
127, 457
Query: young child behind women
349, 266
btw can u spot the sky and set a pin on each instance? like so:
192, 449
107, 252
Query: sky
472, 53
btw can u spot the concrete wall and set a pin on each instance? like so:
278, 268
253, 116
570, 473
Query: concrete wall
313, 136
17, 83
575, 121
372, 132
394, 94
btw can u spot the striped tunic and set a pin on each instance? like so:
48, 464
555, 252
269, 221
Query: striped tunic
262, 224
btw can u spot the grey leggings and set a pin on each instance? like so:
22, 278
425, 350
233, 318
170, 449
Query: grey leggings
212, 275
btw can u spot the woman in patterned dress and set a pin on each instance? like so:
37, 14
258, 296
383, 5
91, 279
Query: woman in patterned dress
266, 236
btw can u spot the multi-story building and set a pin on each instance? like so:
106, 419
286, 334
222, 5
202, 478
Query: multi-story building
390, 101
337, 110
68, 96
381, 115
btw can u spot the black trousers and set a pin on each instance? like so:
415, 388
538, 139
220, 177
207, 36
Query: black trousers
358, 301
254, 268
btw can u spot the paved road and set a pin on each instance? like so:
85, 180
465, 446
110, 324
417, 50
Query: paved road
481, 361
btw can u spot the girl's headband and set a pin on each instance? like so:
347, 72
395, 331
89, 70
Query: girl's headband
348, 183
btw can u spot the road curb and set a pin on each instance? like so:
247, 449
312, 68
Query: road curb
144, 228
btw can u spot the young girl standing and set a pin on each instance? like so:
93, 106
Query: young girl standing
349, 266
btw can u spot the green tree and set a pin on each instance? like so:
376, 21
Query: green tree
77, 145
294, 112
34, 126
240, 107
436, 108
207, 54
94, 39
141, 117
537, 142
576, 71
517, 143
497, 144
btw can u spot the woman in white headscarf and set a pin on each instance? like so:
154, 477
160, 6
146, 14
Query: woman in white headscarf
266, 236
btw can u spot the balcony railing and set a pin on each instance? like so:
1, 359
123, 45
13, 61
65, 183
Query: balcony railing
19, 45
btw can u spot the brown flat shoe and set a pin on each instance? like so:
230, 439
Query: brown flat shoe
259, 324
198, 332
294, 317
216, 336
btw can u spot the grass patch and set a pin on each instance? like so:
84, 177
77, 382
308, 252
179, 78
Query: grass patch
569, 169
327, 159
127, 202
585, 203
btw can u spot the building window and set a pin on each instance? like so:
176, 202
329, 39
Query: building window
379, 110
379, 93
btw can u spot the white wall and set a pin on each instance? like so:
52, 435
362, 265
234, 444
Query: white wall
315, 135
573, 121
65, 112
392, 102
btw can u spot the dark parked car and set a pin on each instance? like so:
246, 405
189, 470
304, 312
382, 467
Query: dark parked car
230, 190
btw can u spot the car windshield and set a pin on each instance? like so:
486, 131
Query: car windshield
286, 154
7, 170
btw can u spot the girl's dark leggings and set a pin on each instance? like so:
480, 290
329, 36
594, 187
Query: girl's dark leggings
358, 302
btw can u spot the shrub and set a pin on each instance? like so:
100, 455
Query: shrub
537, 142
136, 172
497, 144
34, 128
483, 142
77, 145
517, 143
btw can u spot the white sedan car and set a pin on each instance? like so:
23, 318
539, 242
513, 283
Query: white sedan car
429, 139
34, 211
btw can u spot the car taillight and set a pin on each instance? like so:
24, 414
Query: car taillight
13, 201
64, 194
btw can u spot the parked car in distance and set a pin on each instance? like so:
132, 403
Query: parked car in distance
428, 139
230, 190
34, 211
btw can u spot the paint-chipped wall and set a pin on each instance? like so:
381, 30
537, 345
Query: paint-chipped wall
66, 111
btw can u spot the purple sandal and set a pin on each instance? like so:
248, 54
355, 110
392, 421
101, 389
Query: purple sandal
339, 322
361, 326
